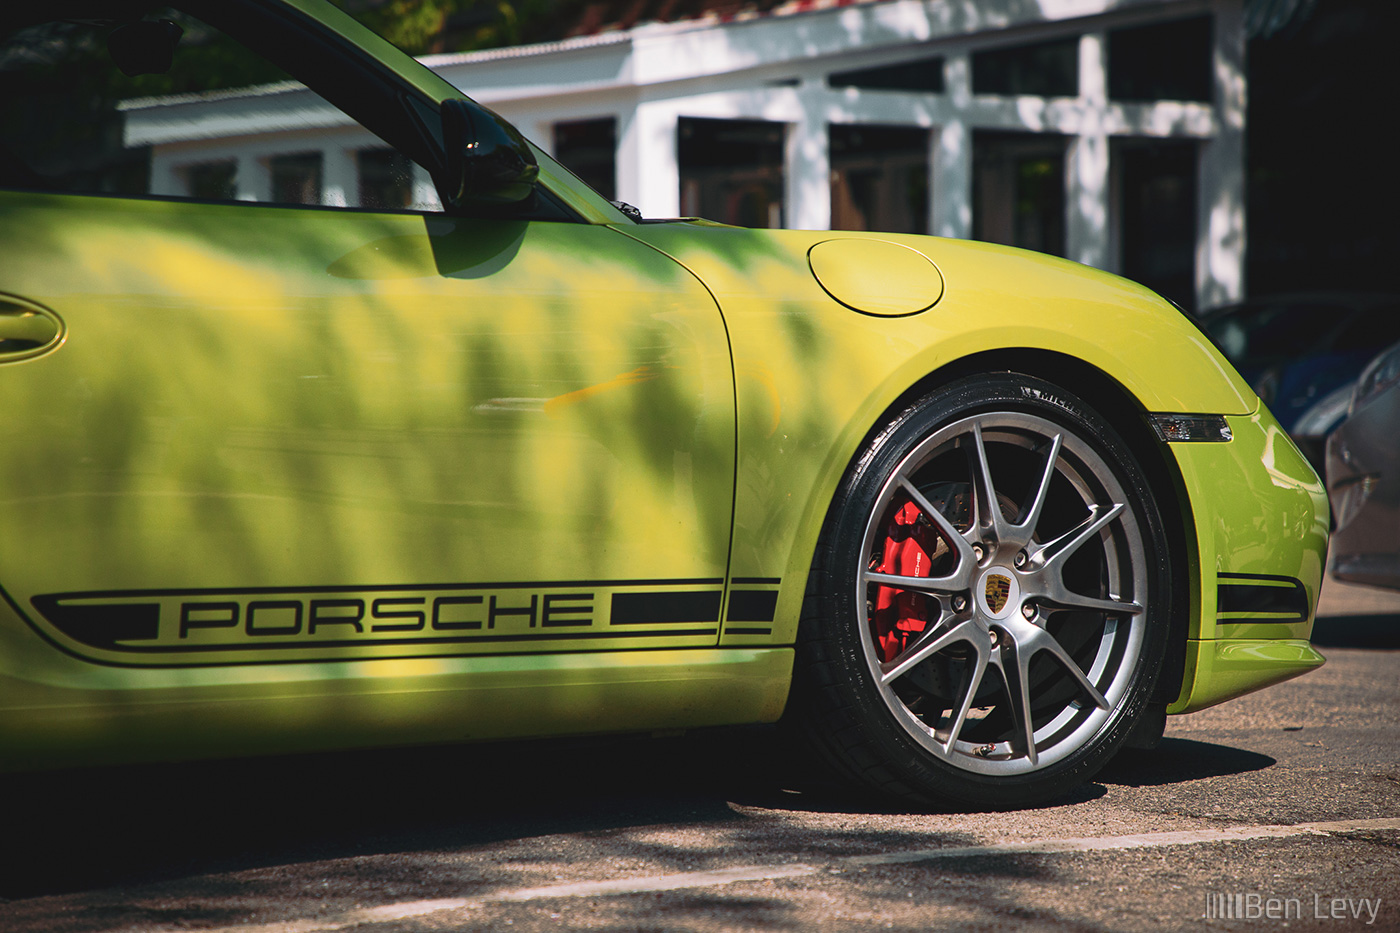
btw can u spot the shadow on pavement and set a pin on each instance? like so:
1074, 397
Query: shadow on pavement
76, 830
81, 829
1357, 631
1177, 760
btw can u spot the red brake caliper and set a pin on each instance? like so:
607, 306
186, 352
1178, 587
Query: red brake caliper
901, 615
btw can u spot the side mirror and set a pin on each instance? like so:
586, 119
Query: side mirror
488, 161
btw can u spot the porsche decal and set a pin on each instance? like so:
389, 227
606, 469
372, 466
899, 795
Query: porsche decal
317, 623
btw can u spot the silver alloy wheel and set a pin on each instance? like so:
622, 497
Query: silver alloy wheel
1047, 594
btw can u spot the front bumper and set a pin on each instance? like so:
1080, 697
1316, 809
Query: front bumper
1260, 517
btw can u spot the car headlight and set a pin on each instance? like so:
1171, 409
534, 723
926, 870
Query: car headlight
1379, 375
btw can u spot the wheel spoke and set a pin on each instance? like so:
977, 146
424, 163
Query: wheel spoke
971, 682
1063, 547
951, 535
955, 582
986, 511
1030, 512
1060, 597
1031, 639
1014, 665
930, 643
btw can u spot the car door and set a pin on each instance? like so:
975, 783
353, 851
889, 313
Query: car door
244, 433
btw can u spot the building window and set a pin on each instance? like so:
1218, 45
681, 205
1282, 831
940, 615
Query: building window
1045, 69
1155, 186
386, 179
296, 179
212, 181
879, 178
1018, 190
923, 75
588, 148
732, 170
1164, 61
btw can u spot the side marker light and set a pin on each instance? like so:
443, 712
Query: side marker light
1180, 429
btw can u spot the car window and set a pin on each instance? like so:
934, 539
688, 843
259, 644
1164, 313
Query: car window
216, 122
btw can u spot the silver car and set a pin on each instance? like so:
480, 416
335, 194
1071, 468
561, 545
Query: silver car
1363, 478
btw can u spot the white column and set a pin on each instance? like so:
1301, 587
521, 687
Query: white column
253, 178
950, 165
166, 179
1086, 204
1220, 229
807, 174
648, 174
425, 197
340, 180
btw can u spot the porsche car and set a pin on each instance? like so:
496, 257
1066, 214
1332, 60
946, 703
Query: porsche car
282, 476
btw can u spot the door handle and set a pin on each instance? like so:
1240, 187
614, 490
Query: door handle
27, 330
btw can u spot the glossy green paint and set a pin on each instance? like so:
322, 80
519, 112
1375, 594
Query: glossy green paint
908, 282
105, 717
1259, 508
1267, 514
814, 377
298, 398
346, 402
1222, 669
355, 407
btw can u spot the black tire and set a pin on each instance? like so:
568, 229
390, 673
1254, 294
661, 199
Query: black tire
937, 628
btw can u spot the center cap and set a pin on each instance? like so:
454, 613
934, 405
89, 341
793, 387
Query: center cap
998, 593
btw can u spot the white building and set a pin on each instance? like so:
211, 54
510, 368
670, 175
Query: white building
1108, 131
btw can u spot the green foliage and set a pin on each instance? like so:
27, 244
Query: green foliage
412, 25
422, 27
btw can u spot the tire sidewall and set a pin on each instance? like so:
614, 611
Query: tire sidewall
909, 762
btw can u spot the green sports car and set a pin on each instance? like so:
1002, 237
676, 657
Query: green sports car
279, 476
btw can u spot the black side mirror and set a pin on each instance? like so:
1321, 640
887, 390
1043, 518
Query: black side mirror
144, 48
488, 161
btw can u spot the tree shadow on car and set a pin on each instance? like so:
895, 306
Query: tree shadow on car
1175, 761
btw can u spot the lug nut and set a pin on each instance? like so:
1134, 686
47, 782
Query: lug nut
959, 603
1028, 610
977, 552
995, 637
1020, 560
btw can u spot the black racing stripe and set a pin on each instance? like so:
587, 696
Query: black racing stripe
271, 645
102, 626
745, 630
756, 581
665, 608
393, 588
752, 606
1236, 593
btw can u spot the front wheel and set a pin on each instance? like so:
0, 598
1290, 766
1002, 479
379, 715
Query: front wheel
987, 612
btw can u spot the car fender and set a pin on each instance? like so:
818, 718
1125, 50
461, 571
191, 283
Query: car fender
814, 377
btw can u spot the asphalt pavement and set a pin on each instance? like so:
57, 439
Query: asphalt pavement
1278, 810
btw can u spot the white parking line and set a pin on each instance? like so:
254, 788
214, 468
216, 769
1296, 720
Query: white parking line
704, 879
